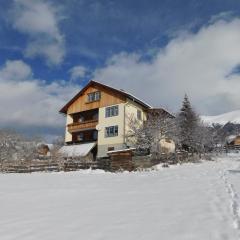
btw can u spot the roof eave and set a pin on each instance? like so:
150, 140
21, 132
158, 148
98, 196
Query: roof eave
66, 106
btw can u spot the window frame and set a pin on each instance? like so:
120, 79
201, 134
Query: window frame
112, 111
110, 148
93, 96
139, 115
111, 131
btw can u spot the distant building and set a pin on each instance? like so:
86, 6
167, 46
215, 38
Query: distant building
44, 149
233, 140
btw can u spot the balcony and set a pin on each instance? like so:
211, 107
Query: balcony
85, 136
81, 126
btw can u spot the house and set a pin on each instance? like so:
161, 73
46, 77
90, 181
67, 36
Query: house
98, 114
44, 149
233, 140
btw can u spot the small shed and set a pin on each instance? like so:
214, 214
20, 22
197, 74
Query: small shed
127, 153
122, 159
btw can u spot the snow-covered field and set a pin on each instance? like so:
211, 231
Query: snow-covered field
191, 201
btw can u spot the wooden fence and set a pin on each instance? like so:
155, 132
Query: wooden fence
232, 148
28, 167
113, 164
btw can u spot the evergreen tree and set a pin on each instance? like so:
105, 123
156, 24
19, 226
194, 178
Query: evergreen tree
188, 126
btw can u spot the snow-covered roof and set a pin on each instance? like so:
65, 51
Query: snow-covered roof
122, 150
126, 93
80, 150
50, 146
230, 138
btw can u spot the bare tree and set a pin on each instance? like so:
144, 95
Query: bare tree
14, 147
148, 134
56, 156
202, 138
219, 135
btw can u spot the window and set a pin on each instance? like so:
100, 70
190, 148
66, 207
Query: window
110, 148
139, 115
111, 111
95, 135
81, 119
80, 137
94, 96
111, 131
95, 116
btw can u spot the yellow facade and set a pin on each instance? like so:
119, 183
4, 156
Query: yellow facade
125, 111
111, 121
68, 135
131, 109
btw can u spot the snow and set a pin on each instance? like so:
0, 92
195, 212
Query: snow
230, 138
80, 150
222, 119
50, 145
122, 150
183, 202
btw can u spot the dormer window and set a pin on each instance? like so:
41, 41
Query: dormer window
94, 96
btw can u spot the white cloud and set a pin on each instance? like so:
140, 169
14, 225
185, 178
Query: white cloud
77, 72
15, 71
53, 52
197, 64
29, 102
39, 20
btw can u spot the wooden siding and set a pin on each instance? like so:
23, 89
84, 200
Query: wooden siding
237, 140
107, 98
75, 127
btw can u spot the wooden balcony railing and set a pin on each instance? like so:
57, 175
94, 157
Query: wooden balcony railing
74, 127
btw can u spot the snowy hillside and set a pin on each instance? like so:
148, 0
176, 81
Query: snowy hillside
233, 117
191, 201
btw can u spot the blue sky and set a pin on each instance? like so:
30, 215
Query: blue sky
157, 50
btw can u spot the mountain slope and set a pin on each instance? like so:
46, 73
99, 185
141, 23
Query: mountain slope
233, 117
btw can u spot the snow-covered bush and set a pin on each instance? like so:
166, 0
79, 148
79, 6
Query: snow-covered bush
14, 147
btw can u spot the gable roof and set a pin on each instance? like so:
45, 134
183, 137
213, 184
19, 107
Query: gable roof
92, 82
160, 111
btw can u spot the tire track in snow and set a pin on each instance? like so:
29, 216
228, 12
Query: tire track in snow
234, 201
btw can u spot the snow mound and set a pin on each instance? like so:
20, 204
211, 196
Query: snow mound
233, 117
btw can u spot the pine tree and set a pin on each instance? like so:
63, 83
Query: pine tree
188, 122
